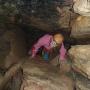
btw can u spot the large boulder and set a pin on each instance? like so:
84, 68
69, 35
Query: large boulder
82, 83
64, 65
82, 7
38, 13
43, 76
12, 45
17, 41
80, 56
81, 27
18, 50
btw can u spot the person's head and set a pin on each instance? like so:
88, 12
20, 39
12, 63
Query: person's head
57, 40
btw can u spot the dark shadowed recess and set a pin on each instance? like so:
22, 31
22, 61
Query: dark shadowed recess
33, 34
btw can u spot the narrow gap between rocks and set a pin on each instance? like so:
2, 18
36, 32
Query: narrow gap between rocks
23, 23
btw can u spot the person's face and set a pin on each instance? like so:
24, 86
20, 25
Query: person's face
54, 43
58, 38
59, 41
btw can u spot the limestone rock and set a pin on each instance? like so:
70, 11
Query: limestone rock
16, 37
80, 56
43, 76
14, 82
81, 27
1, 78
4, 47
82, 83
42, 14
12, 46
82, 86
82, 7
64, 19
63, 65
17, 47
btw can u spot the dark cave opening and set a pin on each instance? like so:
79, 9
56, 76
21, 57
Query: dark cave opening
32, 34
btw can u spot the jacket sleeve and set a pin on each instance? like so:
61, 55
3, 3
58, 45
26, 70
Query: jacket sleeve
36, 46
62, 52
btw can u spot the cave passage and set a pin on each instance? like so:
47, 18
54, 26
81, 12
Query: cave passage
63, 66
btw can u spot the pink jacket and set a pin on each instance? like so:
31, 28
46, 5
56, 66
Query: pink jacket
45, 41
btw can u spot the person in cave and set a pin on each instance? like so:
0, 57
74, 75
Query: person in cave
48, 42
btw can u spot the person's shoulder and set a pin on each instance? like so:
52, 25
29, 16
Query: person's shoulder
45, 38
47, 35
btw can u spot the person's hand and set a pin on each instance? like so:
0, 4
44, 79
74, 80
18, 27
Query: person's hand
64, 66
62, 59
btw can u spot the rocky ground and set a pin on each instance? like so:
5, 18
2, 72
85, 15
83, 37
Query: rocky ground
41, 75
80, 57
49, 16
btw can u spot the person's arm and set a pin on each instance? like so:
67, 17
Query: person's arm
41, 42
62, 52
36, 47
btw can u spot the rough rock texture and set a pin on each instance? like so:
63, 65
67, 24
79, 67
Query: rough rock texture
82, 83
18, 46
51, 21
64, 20
17, 41
1, 77
64, 66
82, 7
15, 82
81, 27
39, 75
12, 45
4, 46
80, 56
42, 14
